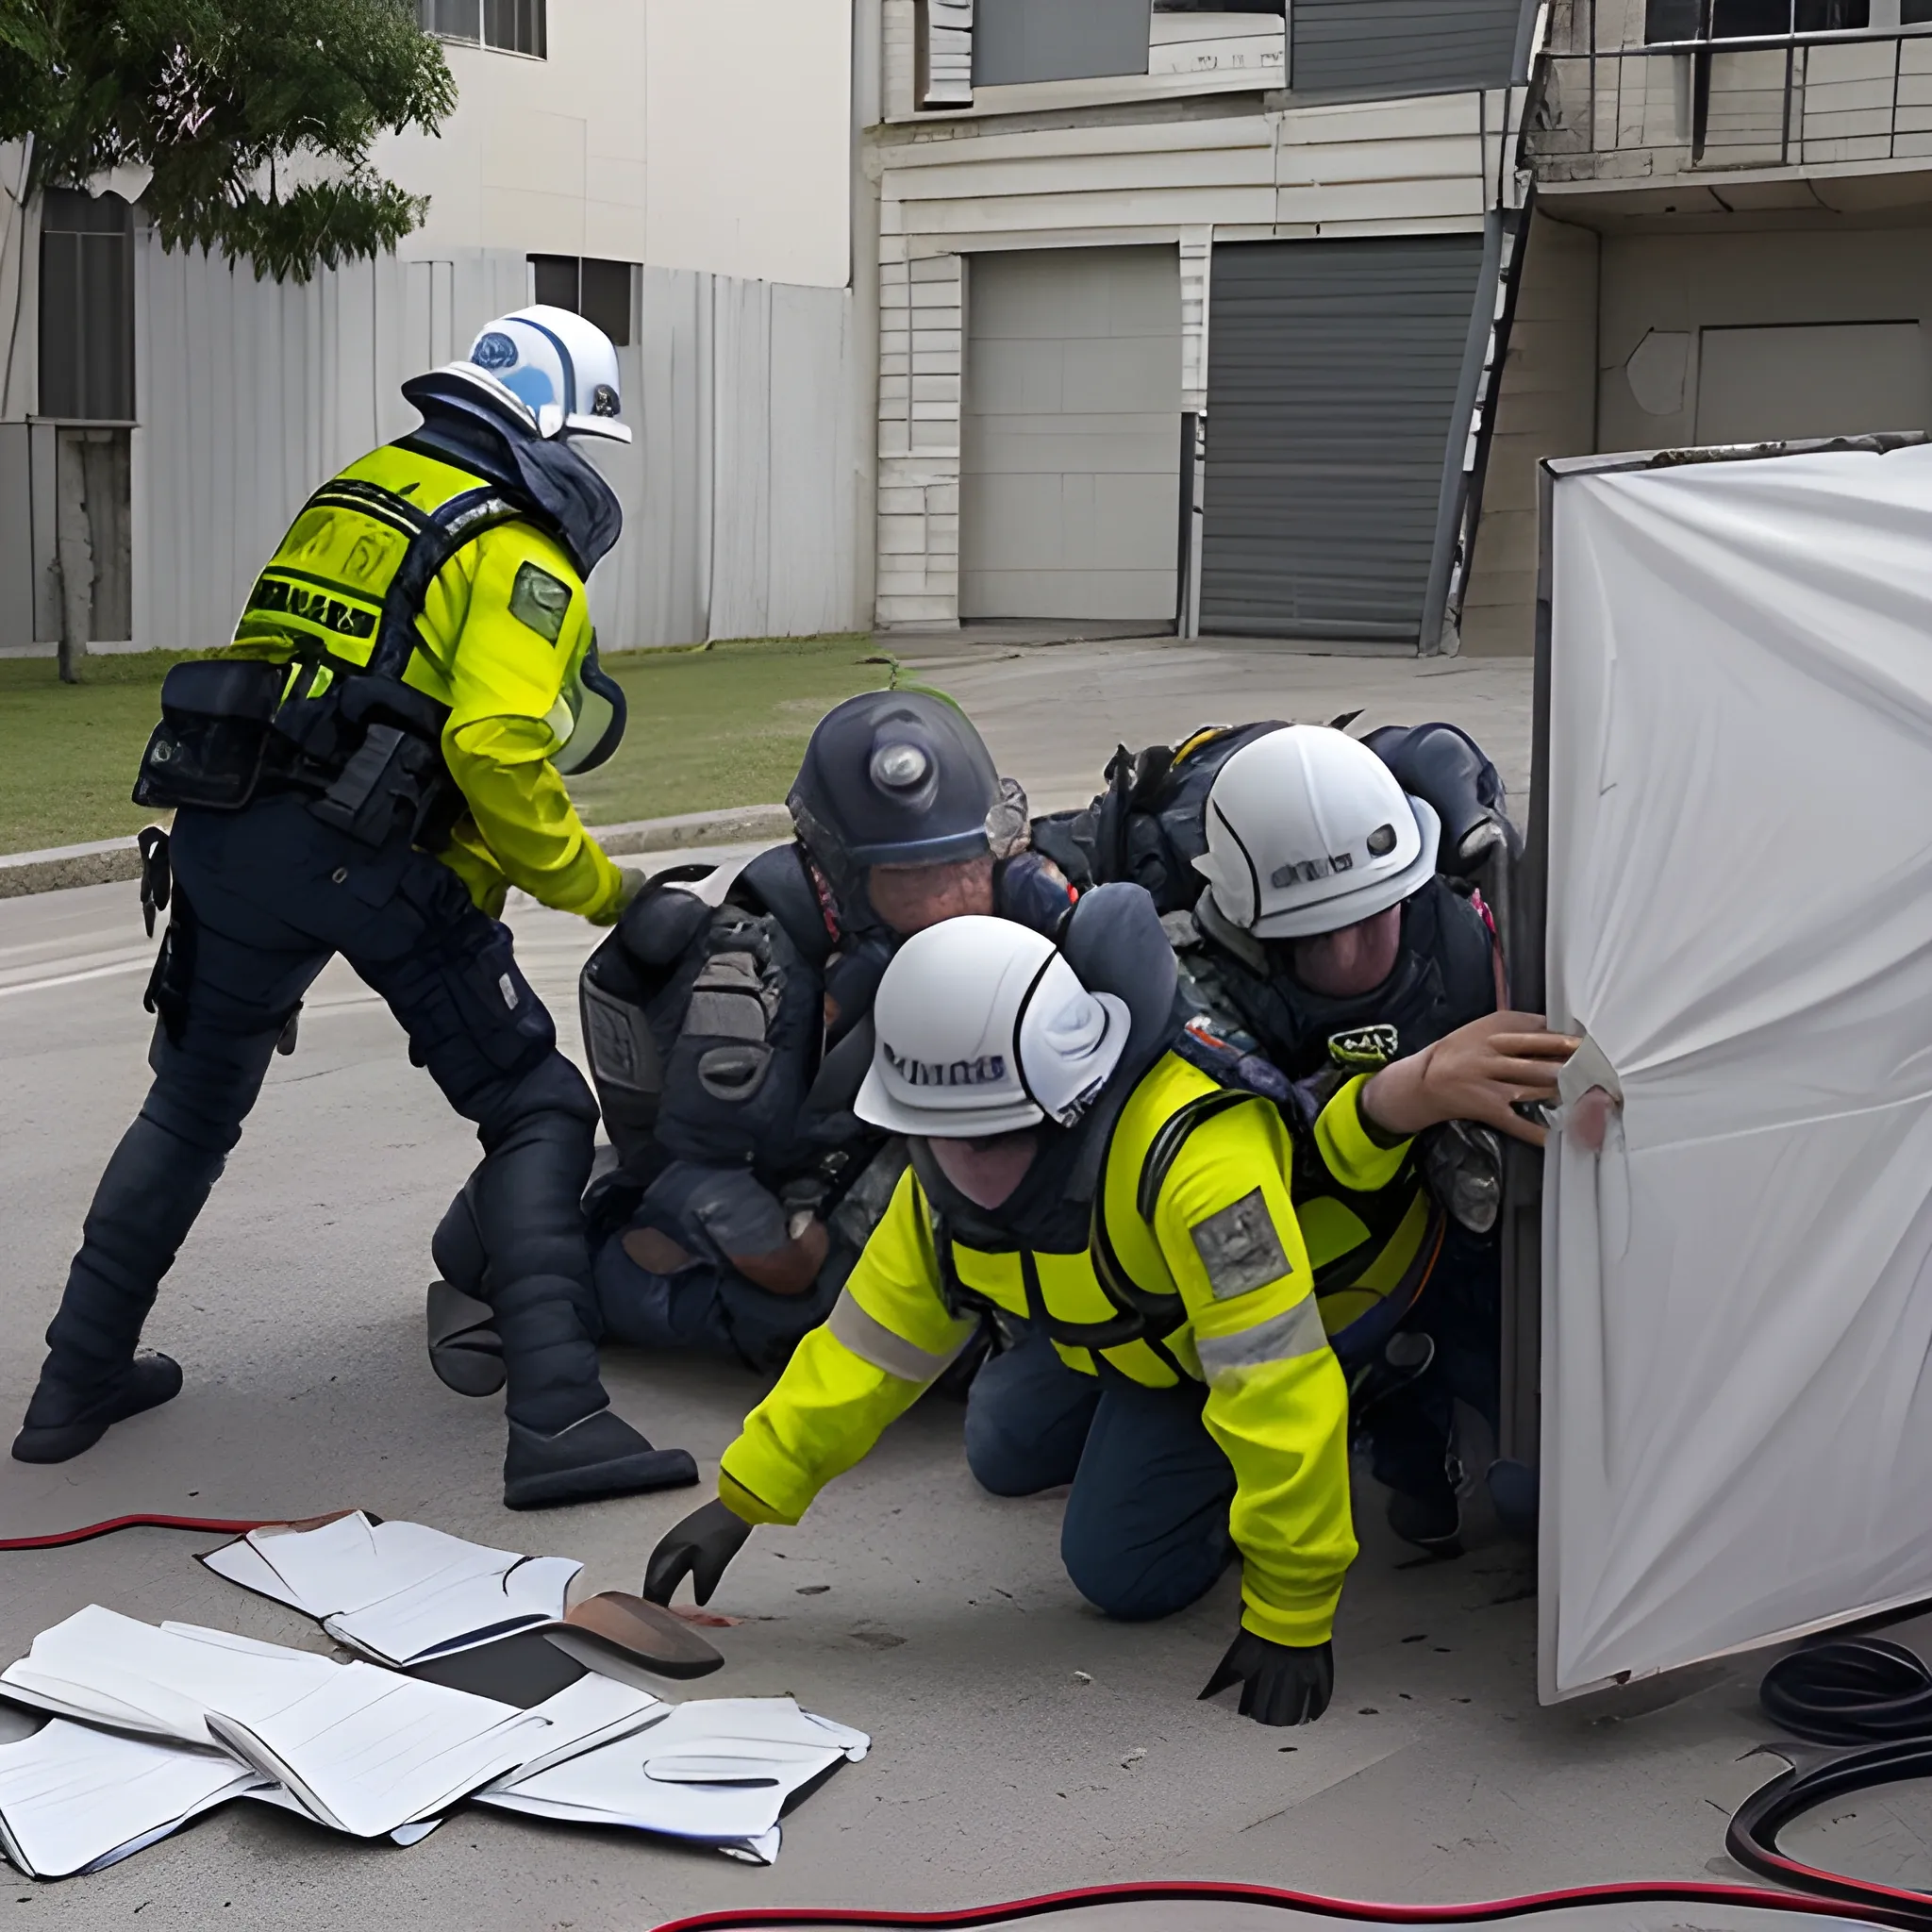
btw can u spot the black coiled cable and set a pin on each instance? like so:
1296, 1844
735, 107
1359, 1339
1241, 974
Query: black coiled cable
1854, 1690
1865, 1693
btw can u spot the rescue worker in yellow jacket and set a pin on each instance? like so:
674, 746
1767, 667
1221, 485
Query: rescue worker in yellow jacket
377, 757
1131, 1220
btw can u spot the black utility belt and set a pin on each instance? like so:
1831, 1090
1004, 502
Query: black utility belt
367, 753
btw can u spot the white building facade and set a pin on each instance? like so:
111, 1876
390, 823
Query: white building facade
1191, 320
165, 414
1731, 245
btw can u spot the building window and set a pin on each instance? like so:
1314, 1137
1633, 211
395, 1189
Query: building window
515, 26
597, 291
1674, 21
86, 307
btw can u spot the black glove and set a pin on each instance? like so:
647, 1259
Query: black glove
1281, 1683
699, 1547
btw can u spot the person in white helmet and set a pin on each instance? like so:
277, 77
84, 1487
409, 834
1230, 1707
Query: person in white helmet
1132, 1221
377, 757
1328, 941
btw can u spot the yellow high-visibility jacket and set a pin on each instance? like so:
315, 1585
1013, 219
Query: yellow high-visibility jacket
1221, 1264
501, 634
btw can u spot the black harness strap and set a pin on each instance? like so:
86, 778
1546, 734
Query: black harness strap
1167, 1144
438, 538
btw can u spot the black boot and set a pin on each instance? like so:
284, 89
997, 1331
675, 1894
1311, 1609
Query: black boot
1429, 1523
62, 1422
465, 1350
602, 1455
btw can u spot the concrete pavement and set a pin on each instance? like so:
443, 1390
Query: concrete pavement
1053, 713
1009, 1722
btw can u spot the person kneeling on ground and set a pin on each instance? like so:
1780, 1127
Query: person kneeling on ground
1132, 1219
727, 1044
1305, 878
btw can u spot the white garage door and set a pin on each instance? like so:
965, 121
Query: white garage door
1070, 497
1765, 385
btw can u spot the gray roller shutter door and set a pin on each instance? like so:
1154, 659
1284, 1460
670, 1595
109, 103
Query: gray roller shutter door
1382, 47
1332, 378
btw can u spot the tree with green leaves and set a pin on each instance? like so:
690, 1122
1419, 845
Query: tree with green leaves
254, 117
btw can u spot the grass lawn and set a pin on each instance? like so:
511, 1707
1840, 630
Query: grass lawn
709, 729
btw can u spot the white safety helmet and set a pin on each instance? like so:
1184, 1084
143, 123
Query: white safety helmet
983, 1028
550, 365
1309, 832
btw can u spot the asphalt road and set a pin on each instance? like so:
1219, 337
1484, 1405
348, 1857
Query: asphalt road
1021, 1743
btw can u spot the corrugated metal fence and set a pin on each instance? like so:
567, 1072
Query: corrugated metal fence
740, 494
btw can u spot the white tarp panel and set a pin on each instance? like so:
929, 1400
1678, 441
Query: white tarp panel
1738, 1292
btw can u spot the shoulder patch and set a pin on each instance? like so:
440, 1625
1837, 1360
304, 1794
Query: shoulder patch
1356, 1047
540, 601
1239, 1248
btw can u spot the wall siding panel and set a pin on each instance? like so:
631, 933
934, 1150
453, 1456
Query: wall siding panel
738, 492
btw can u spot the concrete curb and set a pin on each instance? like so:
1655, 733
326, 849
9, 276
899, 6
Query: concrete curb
111, 860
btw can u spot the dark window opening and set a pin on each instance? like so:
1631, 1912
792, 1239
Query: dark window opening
86, 307
600, 292
1738, 20
1667, 21
514, 27
1832, 16
1276, 7
1915, 13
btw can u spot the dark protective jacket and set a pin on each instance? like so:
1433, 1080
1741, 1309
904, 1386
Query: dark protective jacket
738, 1036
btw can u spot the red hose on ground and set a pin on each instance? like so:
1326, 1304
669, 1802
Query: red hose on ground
1206, 1891
59, 1538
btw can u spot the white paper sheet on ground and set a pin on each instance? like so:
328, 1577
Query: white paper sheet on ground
103, 1667
584, 1716
370, 1751
717, 1770
1738, 1292
398, 1591
73, 1799
285, 1800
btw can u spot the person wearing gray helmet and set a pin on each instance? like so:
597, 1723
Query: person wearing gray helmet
727, 1044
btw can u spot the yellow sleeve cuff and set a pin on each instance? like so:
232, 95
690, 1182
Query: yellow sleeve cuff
744, 1505
1304, 1624
1348, 1150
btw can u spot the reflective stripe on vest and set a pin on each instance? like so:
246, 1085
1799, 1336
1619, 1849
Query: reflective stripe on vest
347, 584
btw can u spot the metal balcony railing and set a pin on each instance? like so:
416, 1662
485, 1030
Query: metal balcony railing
1799, 103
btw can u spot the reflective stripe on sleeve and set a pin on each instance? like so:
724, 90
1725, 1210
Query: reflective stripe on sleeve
870, 1340
1295, 1332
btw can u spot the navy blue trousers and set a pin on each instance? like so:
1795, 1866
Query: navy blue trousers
708, 1307
264, 897
1145, 1532
1462, 1309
